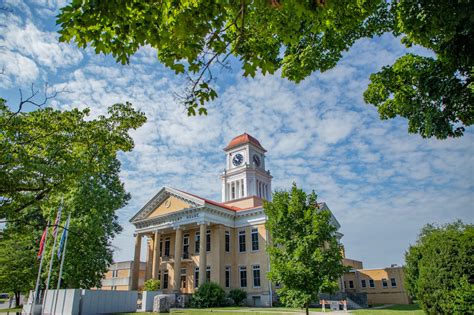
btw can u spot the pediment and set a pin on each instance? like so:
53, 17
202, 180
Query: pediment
169, 205
166, 201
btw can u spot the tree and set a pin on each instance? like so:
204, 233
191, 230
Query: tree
46, 152
191, 36
434, 93
51, 157
439, 269
298, 37
305, 256
18, 265
151, 285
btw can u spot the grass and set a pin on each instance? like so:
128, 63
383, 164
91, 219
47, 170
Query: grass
12, 310
233, 311
411, 309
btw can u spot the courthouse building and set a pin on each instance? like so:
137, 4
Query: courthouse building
191, 239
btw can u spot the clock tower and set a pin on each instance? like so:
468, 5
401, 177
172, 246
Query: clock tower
245, 175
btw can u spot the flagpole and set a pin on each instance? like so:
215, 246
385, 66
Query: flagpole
58, 219
35, 294
62, 263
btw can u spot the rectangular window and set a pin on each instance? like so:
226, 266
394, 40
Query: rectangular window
165, 279
161, 248
114, 273
256, 276
345, 285
208, 240
208, 274
371, 283
351, 284
242, 241
196, 277
227, 277
384, 283
233, 190
183, 278
227, 241
197, 240
255, 239
167, 247
186, 246
393, 282
243, 276
363, 283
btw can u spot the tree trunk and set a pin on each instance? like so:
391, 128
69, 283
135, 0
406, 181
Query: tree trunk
17, 299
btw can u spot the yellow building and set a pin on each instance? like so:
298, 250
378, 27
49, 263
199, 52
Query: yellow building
119, 275
382, 286
191, 239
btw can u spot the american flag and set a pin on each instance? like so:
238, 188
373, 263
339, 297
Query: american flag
58, 219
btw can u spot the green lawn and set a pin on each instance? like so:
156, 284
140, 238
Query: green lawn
390, 310
411, 309
11, 310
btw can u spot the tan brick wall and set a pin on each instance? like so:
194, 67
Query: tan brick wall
379, 295
218, 259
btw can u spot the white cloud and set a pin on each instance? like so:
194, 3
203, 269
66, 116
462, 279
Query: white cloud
382, 183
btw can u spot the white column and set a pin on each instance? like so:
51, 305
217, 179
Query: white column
136, 262
202, 253
178, 249
156, 255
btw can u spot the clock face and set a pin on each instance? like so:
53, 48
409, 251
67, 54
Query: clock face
238, 159
256, 160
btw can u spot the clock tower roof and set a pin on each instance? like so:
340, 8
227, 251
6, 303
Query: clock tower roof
243, 139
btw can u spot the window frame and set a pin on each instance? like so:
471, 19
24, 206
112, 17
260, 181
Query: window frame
208, 240
254, 232
208, 273
165, 279
197, 242
244, 243
384, 283
371, 283
243, 271
228, 276
363, 283
227, 241
254, 269
167, 247
196, 277
392, 281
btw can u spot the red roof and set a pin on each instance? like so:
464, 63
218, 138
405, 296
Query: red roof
243, 139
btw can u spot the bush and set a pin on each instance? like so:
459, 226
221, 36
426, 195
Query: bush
238, 295
208, 294
151, 285
439, 267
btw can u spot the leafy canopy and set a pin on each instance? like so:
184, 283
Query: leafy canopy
49, 155
305, 255
439, 269
297, 37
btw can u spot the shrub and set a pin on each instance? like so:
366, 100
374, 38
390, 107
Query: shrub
208, 294
439, 267
238, 295
151, 285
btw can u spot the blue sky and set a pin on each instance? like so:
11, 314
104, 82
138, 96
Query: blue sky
381, 183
